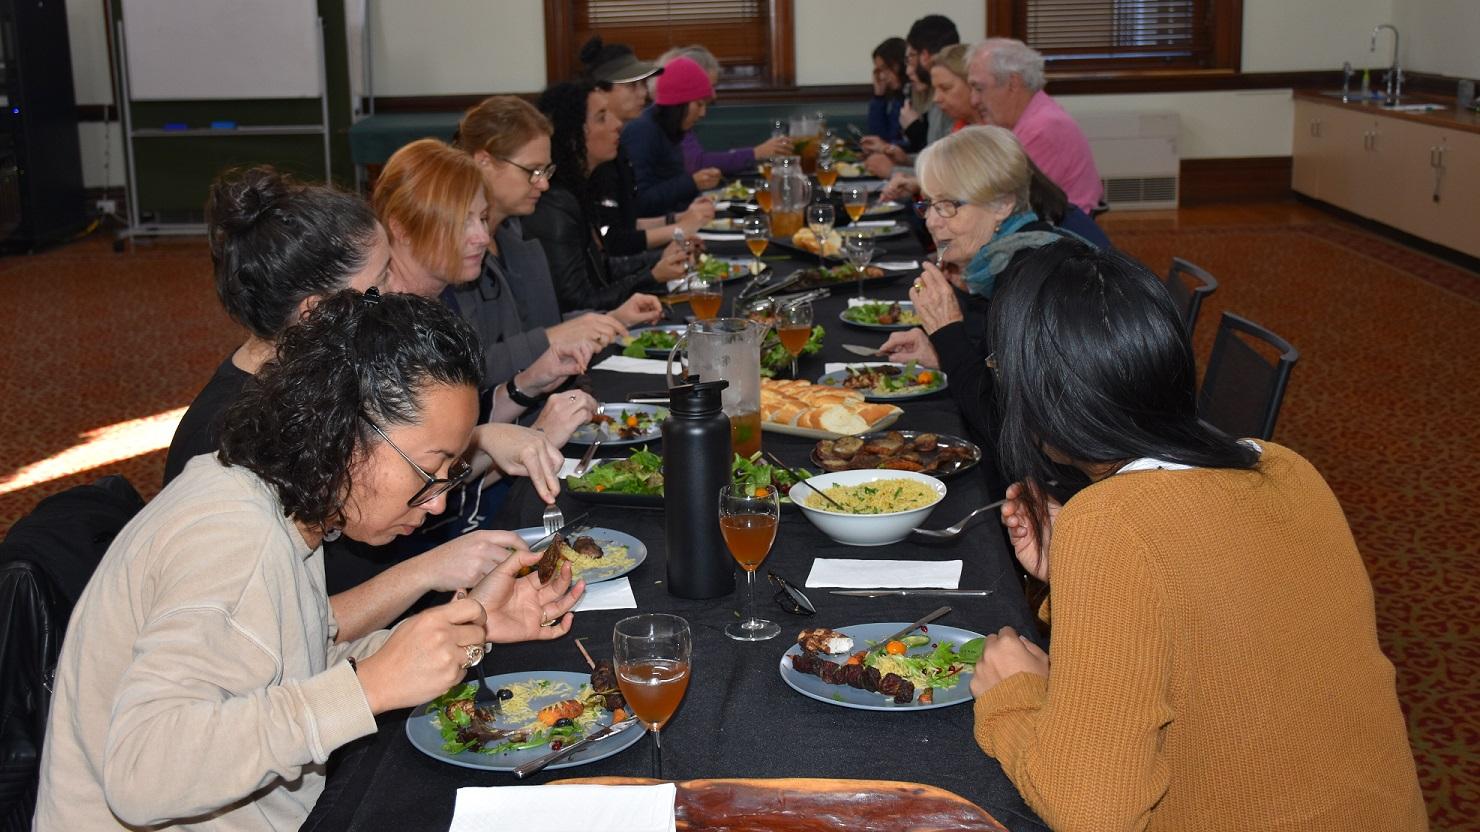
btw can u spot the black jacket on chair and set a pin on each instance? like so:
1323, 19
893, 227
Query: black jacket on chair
45, 562
585, 275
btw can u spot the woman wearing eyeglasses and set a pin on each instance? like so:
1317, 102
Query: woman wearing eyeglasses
1214, 661
433, 203
203, 681
512, 304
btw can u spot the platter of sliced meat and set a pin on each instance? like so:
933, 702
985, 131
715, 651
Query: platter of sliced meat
937, 454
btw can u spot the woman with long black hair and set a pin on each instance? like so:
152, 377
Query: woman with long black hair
1213, 661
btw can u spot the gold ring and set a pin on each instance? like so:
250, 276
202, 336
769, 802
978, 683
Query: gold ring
918, 285
475, 654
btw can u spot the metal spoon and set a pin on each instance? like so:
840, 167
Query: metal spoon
801, 479
940, 254
952, 532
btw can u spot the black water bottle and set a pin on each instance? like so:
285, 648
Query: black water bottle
696, 465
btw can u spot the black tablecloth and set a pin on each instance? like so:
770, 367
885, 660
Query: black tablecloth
739, 719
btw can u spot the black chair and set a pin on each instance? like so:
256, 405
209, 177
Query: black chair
45, 562
1242, 390
1189, 285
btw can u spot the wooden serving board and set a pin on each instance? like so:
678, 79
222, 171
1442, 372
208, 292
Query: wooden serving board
802, 804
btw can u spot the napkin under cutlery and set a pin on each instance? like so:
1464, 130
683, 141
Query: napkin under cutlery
615, 594
720, 237
627, 364
835, 366
871, 574
572, 808
898, 265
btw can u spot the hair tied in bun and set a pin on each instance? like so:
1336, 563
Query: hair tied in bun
591, 50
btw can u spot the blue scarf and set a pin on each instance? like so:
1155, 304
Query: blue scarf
991, 259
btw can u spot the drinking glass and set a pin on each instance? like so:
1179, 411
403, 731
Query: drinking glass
820, 218
762, 194
757, 236
652, 654
794, 327
827, 173
778, 129
859, 251
705, 296
855, 200
748, 517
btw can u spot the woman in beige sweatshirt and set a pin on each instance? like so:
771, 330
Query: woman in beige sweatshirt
200, 682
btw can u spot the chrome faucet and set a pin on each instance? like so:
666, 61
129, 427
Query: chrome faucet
1395, 72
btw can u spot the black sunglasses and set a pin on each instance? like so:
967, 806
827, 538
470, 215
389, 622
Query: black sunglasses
790, 598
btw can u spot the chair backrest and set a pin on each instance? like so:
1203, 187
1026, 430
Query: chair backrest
1189, 284
1242, 390
45, 561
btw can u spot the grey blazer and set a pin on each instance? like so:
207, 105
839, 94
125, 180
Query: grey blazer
509, 305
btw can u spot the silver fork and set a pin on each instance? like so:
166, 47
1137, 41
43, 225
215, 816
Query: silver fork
553, 519
951, 532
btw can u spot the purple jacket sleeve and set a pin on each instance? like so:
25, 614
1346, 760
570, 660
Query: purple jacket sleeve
729, 162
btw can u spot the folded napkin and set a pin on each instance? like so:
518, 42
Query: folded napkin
891, 574
835, 366
626, 364
615, 594
872, 224
852, 302
722, 205
719, 237
567, 467
899, 266
572, 808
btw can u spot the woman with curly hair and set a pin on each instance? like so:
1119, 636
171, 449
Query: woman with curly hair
565, 221
201, 683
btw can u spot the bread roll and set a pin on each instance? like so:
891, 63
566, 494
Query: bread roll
842, 419
873, 413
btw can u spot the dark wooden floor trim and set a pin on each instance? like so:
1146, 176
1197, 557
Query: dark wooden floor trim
1448, 255
1234, 180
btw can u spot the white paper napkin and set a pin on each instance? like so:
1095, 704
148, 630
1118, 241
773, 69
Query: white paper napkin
899, 266
719, 237
572, 808
852, 302
615, 594
872, 224
891, 574
627, 364
567, 467
835, 366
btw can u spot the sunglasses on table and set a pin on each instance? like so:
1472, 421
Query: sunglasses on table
789, 598
433, 487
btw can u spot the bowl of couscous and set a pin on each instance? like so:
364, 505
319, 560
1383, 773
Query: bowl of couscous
881, 506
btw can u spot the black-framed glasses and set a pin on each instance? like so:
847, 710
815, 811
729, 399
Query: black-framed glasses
946, 208
535, 174
434, 487
789, 598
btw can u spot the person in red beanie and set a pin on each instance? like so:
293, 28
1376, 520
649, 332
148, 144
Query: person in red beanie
652, 140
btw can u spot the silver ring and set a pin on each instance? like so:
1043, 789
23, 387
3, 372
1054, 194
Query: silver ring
475, 654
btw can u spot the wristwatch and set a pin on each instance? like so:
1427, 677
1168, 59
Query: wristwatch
522, 400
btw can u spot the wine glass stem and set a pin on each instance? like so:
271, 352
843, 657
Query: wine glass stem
657, 754
749, 596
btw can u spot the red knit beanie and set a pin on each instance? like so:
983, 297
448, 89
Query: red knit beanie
683, 81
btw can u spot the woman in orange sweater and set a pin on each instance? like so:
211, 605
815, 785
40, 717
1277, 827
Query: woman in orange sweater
1213, 662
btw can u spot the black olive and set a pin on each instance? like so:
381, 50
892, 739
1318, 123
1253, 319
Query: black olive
504, 694
563, 722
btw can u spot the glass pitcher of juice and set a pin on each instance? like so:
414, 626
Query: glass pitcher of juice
791, 193
727, 349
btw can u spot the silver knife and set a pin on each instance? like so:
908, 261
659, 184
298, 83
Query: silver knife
544, 543
913, 627
565, 751
875, 593
859, 349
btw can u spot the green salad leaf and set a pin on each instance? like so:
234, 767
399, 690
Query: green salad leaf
713, 268
642, 473
652, 339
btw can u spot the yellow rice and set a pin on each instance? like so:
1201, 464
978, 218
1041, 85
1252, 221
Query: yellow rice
877, 497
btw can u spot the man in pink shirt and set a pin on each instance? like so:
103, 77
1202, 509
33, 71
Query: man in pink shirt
1006, 78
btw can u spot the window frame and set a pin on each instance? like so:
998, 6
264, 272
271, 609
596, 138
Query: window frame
1008, 19
562, 48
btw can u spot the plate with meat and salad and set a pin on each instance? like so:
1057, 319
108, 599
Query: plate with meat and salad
936, 454
539, 711
882, 315
622, 424
652, 341
888, 382
638, 479
594, 555
853, 666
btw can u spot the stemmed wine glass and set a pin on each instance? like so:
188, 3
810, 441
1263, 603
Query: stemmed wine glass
855, 200
820, 218
762, 193
748, 516
794, 327
827, 171
859, 251
757, 236
652, 654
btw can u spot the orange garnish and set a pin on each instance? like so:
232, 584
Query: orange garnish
762, 491
631, 421
600, 488
925, 377
896, 648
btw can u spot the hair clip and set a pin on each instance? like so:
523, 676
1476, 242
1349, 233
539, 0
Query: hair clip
372, 295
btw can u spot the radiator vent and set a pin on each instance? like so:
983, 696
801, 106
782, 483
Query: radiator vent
1136, 154
1142, 192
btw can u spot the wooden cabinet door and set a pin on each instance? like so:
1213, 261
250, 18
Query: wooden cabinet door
1457, 222
1350, 177
1310, 149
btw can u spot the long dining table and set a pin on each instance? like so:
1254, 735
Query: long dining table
739, 718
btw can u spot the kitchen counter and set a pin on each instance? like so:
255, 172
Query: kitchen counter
1449, 117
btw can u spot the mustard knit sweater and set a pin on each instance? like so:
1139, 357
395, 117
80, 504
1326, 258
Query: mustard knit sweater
1214, 665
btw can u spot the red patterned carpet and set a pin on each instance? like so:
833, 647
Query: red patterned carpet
101, 350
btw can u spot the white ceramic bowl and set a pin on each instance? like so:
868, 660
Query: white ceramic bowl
866, 529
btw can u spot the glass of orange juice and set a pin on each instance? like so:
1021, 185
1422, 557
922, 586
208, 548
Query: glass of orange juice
652, 653
855, 200
757, 236
705, 296
748, 517
763, 195
794, 328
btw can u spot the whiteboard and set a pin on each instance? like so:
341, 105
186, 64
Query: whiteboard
216, 49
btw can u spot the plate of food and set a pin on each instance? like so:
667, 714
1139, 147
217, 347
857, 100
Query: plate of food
734, 191
850, 666
726, 269
936, 454
887, 382
884, 209
638, 479
594, 555
622, 424
722, 225
851, 170
801, 408
881, 315
541, 710
652, 341
815, 278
